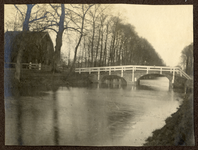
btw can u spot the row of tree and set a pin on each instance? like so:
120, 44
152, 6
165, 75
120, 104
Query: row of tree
111, 42
103, 39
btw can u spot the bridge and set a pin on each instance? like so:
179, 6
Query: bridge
131, 74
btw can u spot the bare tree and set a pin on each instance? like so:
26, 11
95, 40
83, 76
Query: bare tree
27, 21
22, 42
187, 59
84, 10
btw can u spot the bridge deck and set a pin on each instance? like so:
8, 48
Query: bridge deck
135, 68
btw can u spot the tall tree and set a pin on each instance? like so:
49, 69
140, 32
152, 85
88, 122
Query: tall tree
27, 21
59, 37
22, 41
84, 10
187, 59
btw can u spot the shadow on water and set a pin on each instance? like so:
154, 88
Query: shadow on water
20, 110
144, 87
19, 123
106, 86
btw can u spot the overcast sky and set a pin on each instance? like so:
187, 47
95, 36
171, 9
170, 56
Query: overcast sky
168, 28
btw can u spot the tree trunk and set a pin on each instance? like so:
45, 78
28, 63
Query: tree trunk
56, 57
101, 47
59, 36
105, 49
22, 42
19, 58
80, 38
92, 44
97, 49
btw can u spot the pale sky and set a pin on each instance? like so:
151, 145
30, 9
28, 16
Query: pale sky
168, 28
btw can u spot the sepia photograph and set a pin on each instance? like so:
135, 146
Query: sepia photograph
98, 75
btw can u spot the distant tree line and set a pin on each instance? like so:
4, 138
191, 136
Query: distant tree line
187, 60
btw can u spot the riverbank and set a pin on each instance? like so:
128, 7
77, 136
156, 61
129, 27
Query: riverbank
40, 80
179, 128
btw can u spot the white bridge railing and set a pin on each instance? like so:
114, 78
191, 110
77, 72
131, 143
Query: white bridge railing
134, 68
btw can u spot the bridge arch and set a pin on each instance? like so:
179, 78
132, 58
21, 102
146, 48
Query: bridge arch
113, 77
142, 76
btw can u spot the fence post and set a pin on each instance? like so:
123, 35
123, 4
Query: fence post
39, 66
30, 65
109, 71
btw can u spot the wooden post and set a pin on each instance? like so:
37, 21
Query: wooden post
109, 71
39, 66
30, 65
160, 70
89, 71
147, 70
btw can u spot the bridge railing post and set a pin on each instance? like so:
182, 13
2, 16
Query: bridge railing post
98, 74
122, 72
173, 75
147, 70
160, 70
89, 71
133, 74
180, 73
109, 71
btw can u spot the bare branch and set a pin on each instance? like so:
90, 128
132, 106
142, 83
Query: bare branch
75, 6
39, 18
74, 12
19, 10
55, 10
49, 29
88, 9
73, 29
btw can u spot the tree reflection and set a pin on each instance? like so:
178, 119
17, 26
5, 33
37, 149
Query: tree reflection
55, 115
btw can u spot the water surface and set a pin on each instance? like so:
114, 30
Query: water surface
98, 115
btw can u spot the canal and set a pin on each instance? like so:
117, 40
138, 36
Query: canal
97, 115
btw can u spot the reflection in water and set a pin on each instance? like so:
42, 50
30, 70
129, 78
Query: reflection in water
19, 124
55, 119
96, 115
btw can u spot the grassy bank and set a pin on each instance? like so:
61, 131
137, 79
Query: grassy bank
179, 128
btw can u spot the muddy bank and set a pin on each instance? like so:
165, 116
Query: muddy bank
178, 130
